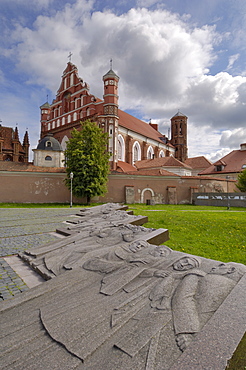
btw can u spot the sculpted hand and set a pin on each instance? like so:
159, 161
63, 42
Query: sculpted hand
161, 274
183, 340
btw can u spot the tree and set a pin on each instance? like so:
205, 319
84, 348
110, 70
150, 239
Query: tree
86, 156
241, 184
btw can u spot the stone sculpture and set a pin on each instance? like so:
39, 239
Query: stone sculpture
117, 301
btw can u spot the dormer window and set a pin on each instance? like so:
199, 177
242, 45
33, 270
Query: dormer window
48, 144
219, 167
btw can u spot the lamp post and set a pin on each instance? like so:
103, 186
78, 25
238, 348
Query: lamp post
71, 189
227, 189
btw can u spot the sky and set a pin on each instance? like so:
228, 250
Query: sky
173, 55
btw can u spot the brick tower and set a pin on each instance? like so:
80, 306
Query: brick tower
110, 114
179, 136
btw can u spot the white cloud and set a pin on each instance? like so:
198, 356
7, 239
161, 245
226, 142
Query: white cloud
233, 138
232, 60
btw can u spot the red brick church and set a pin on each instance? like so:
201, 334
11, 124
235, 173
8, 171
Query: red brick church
130, 139
11, 149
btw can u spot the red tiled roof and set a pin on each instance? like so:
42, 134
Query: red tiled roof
160, 162
233, 163
198, 162
125, 167
141, 127
150, 172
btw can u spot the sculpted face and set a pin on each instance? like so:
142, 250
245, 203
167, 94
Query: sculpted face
222, 269
160, 252
138, 246
184, 263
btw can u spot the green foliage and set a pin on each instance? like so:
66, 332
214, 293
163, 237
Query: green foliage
241, 184
87, 158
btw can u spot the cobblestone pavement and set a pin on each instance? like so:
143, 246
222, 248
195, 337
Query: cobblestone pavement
23, 228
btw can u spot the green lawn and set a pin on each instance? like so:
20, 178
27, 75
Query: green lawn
211, 232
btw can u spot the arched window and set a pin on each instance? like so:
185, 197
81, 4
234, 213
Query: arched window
48, 144
87, 111
71, 79
66, 101
48, 158
150, 153
136, 152
63, 120
64, 142
75, 116
121, 148
69, 118
161, 154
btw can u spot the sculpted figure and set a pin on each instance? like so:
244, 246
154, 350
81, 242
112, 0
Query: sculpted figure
124, 263
191, 294
72, 255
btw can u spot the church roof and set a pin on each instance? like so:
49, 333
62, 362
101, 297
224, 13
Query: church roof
179, 114
111, 73
136, 125
45, 105
54, 144
161, 162
198, 162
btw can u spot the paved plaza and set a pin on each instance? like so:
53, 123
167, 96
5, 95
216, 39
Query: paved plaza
20, 229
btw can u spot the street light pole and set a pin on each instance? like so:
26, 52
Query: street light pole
227, 188
71, 189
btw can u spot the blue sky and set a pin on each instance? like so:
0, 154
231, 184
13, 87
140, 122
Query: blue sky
170, 55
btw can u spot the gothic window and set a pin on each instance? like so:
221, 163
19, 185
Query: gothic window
58, 122
63, 120
66, 102
64, 143
136, 152
161, 154
71, 79
87, 111
150, 153
74, 116
69, 118
48, 158
121, 148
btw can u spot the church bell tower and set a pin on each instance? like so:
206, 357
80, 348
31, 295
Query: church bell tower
179, 136
110, 113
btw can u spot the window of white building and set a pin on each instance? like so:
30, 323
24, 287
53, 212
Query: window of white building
150, 153
136, 152
121, 148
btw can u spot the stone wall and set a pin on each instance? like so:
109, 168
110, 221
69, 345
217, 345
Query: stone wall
48, 187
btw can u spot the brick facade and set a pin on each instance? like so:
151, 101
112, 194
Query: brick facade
130, 139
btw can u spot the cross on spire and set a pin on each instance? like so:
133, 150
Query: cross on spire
111, 63
70, 56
